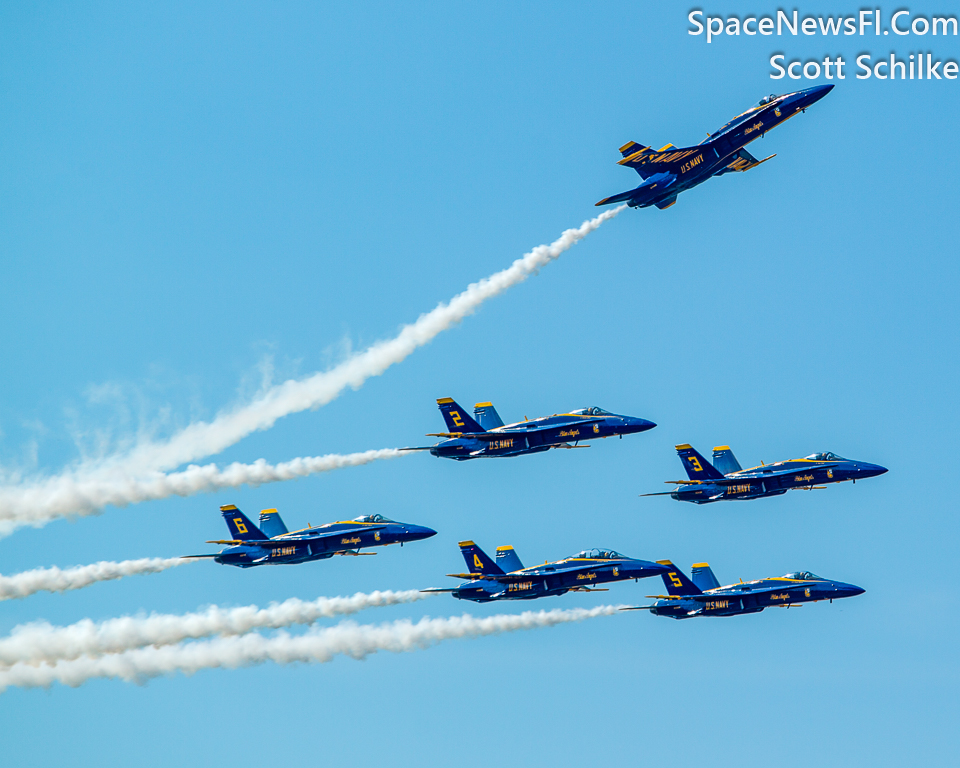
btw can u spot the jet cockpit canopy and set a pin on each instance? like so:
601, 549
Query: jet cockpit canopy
598, 554
825, 457
372, 519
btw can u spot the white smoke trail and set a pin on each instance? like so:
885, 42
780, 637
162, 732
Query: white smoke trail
316, 646
115, 480
42, 642
86, 496
60, 580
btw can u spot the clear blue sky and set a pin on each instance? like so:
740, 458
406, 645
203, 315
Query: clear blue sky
191, 191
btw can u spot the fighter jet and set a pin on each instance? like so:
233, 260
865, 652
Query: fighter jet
724, 479
272, 544
668, 171
705, 597
487, 435
507, 579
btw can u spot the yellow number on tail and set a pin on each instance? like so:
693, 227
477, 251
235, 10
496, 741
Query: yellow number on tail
241, 528
675, 580
696, 464
477, 563
455, 415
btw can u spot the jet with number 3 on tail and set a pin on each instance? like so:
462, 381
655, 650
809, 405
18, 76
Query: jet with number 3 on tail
485, 435
272, 544
703, 595
724, 479
507, 579
668, 171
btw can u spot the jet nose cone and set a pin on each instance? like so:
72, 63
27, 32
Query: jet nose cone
847, 590
870, 470
639, 425
417, 532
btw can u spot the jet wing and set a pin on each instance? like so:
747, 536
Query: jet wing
754, 474
706, 598
553, 571
286, 542
742, 161
514, 429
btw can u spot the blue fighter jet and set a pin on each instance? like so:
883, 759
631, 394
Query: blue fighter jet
272, 544
703, 596
507, 579
487, 435
668, 171
724, 479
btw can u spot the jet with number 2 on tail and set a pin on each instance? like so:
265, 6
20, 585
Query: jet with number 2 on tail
668, 171
272, 544
724, 479
703, 596
507, 579
486, 435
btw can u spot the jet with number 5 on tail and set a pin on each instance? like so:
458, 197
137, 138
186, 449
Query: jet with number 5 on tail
272, 544
724, 479
703, 596
507, 579
668, 171
486, 435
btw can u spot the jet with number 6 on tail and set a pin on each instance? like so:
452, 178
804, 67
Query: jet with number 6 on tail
272, 544
507, 579
703, 596
486, 435
668, 171
724, 479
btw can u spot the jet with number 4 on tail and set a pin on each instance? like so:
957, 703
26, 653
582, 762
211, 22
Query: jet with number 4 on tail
724, 479
668, 171
703, 595
486, 435
272, 544
507, 579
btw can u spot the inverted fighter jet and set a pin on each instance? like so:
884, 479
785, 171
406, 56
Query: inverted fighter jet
703, 596
272, 544
724, 479
668, 171
487, 435
507, 579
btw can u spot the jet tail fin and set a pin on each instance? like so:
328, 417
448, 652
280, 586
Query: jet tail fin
456, 418
702, 576
508, 559
698, 468
647, 161
487, 416
271, 523
477, 560
676, 582
724, 460
241, 529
